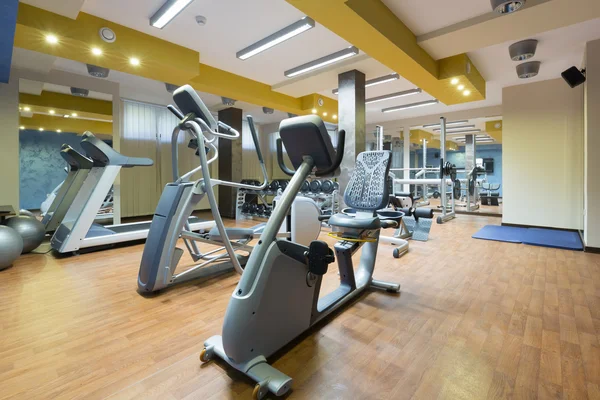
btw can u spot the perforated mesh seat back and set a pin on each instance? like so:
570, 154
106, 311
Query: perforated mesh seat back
368, 189
307, 136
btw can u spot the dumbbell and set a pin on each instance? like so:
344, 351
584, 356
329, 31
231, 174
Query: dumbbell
283, 183
327, 186
260, 209
305, 187
246, 208
274, 186
315, 186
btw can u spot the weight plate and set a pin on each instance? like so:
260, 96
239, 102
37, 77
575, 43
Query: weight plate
457, 189
315, 186
305, 187
327, 186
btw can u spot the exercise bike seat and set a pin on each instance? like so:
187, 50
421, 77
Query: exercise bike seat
233, 233
350, 222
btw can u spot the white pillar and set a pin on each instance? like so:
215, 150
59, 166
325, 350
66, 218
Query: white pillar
591, 168
406, 157
9, 142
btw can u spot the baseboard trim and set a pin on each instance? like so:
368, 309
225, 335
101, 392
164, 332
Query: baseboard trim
594, 250
540, 227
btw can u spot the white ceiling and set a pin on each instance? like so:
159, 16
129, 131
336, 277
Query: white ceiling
227, 32
424, 16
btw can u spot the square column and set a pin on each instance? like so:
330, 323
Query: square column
230, 162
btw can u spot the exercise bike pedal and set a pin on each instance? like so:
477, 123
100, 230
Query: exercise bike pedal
319, 256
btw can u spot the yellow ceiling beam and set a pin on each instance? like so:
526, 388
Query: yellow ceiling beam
73, 125
159, 60
494, 130
47, 100
418, 135
374, 29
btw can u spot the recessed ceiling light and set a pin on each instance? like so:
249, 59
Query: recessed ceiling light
376, 81
96, 51
447, 124
52, 39
73, 114
324, 114
41, 129
413, 105
460, 87
314, 110
456, 128
52, 112
59, 130
466, 93
454, 81
276, 38
134, 61
393, 96
507, 6
322, 62
67, 116
334, 116
27, 109
167, 12
21, 127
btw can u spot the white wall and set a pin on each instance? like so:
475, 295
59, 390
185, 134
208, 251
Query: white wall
9, 142
543, 155
592, 146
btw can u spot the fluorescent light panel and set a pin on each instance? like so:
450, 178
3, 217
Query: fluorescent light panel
455, 129
453, 123
322, 62
376, 81
463, 131
281, 36
413, 105
393, 96
167, 12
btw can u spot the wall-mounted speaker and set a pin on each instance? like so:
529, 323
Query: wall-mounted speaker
436, 155
574, 77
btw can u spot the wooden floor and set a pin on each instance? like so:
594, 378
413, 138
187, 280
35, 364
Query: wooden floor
475, 320
483, 209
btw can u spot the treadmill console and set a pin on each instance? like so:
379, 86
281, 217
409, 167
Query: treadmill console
188, 102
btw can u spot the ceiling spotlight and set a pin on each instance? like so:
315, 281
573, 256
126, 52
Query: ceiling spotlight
528, 69
97, 72
201, 20
59, 130
393, 96
52, 39
52, 112
26, 109
170, 87
460, 87
73, 115
413, 105
21, 127
507, 6
228, 102
67, 116
334, 116
276, 38
268, 110
322, 62
454, 81
167, 12
41, 129
324, 114
134, 61
523, 50
97, 51
376, 81
314, 111
466, 93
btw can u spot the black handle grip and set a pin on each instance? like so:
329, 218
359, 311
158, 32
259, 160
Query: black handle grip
175, 111
255, 139
339, 155
280, 161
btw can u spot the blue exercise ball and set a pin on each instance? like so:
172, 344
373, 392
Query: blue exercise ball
31, 230
11, 246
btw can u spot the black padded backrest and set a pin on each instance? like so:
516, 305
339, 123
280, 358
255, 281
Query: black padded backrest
307, 136
368, 189
75, 159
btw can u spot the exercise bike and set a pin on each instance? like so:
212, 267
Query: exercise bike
278, 296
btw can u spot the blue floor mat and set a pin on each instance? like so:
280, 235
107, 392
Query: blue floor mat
509, 234
553, 238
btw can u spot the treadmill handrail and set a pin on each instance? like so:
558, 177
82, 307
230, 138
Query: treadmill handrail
75, 159
102, 154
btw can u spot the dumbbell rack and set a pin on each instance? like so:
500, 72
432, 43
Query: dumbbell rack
262, 198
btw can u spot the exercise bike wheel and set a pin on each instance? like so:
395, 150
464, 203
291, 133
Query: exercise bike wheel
204, 355
259, 392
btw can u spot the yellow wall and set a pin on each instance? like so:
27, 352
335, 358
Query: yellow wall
543, 155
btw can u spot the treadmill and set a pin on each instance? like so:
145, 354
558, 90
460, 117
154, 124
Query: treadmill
78, 230
79, 167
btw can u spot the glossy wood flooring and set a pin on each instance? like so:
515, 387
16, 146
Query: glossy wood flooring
475, 320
